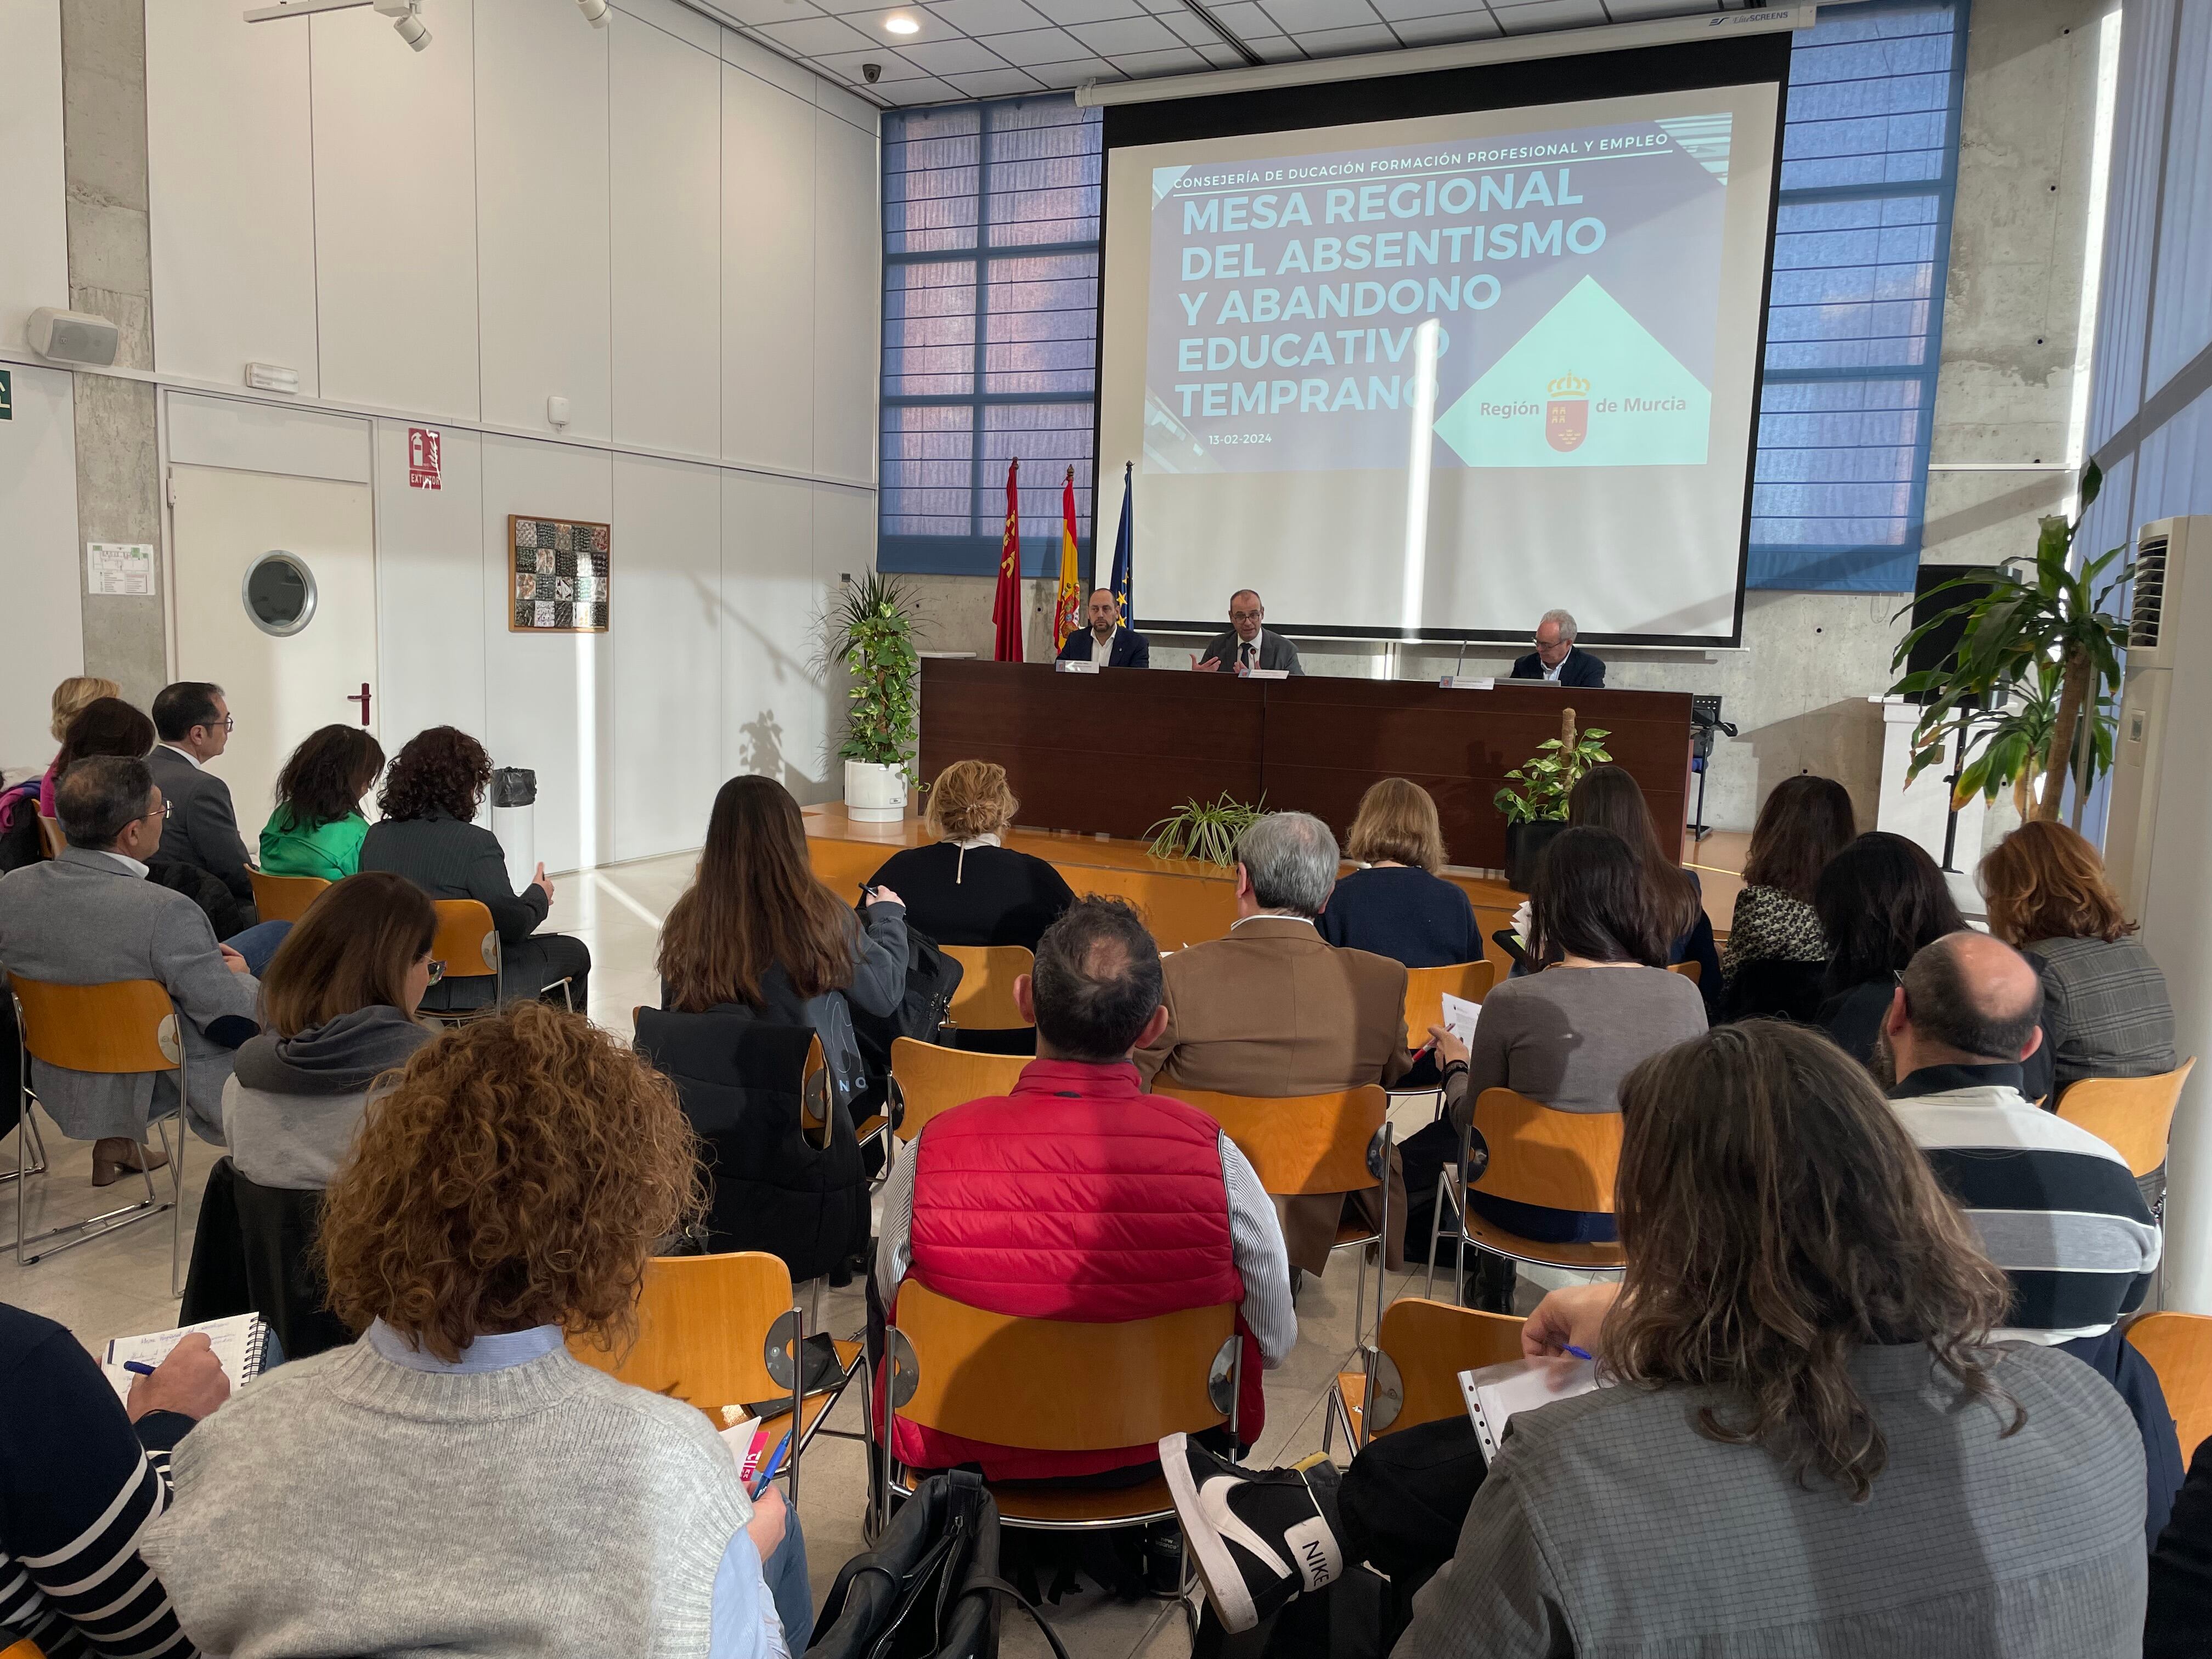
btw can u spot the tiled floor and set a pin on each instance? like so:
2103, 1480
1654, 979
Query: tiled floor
119, 1285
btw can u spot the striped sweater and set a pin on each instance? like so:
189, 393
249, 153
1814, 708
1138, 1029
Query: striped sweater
78, 1484
2055, 1207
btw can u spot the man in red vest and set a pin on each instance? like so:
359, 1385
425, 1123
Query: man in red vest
1081, 1197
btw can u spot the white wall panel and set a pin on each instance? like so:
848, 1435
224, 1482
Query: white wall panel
231, 195
45, 634
768, 302
847, 298
764, 65
550, 696
395, 204
775, 710
542, 215
431, 587
35, 249
666, 171
666, 749
256, 437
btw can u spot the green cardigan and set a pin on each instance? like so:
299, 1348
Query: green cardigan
330, 850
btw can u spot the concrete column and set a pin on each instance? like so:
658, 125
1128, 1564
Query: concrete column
118, 481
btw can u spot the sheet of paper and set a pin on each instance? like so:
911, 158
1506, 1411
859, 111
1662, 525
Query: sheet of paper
236, 1341
119, 568
1460, 1016
1496, 1394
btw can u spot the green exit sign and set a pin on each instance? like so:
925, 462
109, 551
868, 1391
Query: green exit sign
7, 395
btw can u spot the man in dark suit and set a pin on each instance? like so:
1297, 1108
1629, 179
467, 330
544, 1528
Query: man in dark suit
194, 726
1106, 642
1247, 645
1557, 657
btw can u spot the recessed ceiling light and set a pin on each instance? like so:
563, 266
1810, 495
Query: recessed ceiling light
900, 23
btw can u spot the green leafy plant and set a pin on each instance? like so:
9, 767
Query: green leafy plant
872, 633
1542, 783
1207, 832
2041, 636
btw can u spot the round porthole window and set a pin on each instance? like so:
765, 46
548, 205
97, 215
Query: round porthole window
280, 593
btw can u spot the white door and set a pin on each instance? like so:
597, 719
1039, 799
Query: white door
290, 638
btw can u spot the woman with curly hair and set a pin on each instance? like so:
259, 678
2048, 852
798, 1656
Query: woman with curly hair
1810, 1448
457, 1481
428, 834
965, 888
317, 828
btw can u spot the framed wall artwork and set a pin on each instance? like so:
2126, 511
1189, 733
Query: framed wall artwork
560, 576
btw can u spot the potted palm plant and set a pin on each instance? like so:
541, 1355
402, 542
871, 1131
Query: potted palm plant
872, 633
1535, 801
2033, 687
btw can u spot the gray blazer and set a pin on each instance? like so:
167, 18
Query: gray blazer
83, 919
202, 828
1275, 651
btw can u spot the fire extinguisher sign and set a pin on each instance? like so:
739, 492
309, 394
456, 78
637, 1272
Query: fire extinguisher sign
422, 459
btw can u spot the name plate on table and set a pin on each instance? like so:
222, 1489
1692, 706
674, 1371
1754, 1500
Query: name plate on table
1075, 667
1468, 683
1266, 673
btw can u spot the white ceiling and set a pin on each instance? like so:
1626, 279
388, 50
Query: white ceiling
1003, 48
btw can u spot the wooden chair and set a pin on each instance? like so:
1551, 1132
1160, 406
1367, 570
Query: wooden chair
985, 999
1058, 1385
1559, 1160
120, 1029
725, 1330
2180, 1348
2133, 1115
26, 1648
468, 944
286, 898
51, 839
1690, 970
1299, 1144
928, 1079
1411, 1370
1426, 989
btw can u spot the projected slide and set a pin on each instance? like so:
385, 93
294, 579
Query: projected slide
1440, 374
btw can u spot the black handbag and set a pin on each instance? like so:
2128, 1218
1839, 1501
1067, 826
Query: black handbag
930, 1588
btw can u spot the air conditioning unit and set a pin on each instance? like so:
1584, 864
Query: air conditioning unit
2162, 783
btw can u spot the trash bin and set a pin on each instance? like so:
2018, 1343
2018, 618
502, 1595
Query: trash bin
514, 821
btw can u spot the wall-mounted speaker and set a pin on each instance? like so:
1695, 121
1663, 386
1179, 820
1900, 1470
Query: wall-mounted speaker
72, 336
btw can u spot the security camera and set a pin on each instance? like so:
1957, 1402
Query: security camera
595, 12
872, 73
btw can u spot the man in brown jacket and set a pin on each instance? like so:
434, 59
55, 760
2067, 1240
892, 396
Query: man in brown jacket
1274, 1009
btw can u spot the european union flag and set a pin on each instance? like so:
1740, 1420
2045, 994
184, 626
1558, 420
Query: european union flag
1124, 541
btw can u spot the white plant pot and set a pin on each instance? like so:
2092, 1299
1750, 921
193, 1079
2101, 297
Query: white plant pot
874, 793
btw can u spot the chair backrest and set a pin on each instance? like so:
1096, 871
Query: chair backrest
1426, 989
985, 999
931, 1080
1006, 1380
286, 898
1558, 1160
2180, 1348
1690, 970
124, 1026
704, 1329
26, 1648
1300, 1143
51, 839
1429, 1343
2133, 1115
466, 941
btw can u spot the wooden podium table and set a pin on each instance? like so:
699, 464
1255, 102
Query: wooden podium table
1114, 753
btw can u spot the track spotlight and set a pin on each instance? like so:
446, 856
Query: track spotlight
407, 17
595, 12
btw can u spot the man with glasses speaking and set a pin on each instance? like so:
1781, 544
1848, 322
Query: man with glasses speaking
194, 726
1557, 658
1247, 646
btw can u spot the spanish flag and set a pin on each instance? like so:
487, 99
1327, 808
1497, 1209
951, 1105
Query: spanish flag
1006, 605
1067, 616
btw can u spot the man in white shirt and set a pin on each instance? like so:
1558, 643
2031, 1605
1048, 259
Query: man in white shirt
1557, 660
1105, 643
1248, 644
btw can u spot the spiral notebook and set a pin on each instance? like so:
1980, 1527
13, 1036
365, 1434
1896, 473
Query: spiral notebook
240, 1342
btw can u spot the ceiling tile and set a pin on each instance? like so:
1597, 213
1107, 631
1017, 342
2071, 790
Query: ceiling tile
1120, 36
1627, 11
1302, 17
1449, 29
924, 89
1475, 14
1275, 48
995, 84
986, 16
1334, 43
815, 35
1173, 62
945, 58
1038, 46
769, 11
871, 24
1075, 72
1243, 19
1087, 11
846, 65
1534, 16
1191, 29
1224, 57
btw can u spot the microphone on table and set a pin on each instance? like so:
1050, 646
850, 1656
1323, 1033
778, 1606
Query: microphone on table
1462, 663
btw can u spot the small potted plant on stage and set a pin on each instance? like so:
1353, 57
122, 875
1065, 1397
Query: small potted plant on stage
1207, 832
1535, 803
872, 634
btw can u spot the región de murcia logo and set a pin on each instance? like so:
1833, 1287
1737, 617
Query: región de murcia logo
1567, 417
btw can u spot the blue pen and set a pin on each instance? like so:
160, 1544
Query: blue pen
1573, 1353
138, 1366
775, 1462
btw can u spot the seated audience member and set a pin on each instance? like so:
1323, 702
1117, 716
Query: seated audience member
1106, 642
427, 834
1273, 1010
2105, 1013
317, 828
964, 888
1805, 822
81, 1476
337, 1007
1401, 906
1607, 796
1079, 1197
71, 698
90, 917
758, 929
194, 724
1880, 900
2178, 1610
1566, 1036
2054, 1206
1814, 1449
477, 1488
